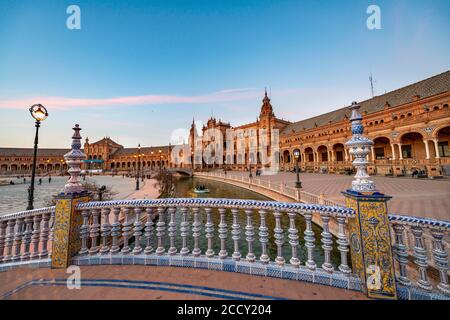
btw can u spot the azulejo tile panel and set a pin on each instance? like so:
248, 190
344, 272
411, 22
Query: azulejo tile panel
66, 241
370, 244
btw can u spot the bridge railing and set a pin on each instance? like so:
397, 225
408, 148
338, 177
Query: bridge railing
278, 187
26, 235
419, 244
256, 232
216, 228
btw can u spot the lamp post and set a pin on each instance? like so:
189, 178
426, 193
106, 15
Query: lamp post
39, 113
192, 160
142, 169
160, 160
138, 166
250, 168
298, 184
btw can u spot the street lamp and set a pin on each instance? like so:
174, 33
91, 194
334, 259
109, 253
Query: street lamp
298, 184
39, 113
142, 172
160, 160
192, 160
138, 166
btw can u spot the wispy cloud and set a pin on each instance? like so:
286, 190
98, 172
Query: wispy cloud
66, 103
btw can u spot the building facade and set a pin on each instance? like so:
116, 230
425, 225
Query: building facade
410, 128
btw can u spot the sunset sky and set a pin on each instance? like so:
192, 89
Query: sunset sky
138, 70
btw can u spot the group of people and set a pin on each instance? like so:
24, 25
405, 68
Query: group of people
11, 182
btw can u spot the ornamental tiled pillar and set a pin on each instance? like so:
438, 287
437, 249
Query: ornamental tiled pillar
371, 250
66, 239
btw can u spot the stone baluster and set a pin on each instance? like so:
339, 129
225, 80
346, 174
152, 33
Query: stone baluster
84, 232
172, 231
421, 258
209, 229
105, 231
27, 238
9, 240
327, 243
126, 231
184, 228
160, 231
35, 236
342, 242
249, 235
43, 239
236, 234
309, 241
52, 232
3, 225
18, 239
137, 231
148, 231
263, 237
196, 232
94, 231
279, 239
115, 232
401, 254
293, 240
441, 260
222, 234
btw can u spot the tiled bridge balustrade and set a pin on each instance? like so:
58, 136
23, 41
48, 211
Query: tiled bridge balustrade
206, 233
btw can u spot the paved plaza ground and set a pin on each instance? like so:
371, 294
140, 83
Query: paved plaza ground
164, 283
419, 197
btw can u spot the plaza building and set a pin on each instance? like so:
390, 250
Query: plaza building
246, 140
410, 128
108, 155
19, 160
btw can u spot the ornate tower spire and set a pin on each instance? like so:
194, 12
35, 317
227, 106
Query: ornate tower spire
74, 160
266, 108
359, 146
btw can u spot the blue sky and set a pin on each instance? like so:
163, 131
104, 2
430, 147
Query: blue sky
137, 70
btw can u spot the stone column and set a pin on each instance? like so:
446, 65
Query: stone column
393, 151
372, 150
436, 147
427, 149
66, 239
371, 249
400, 156
346, 154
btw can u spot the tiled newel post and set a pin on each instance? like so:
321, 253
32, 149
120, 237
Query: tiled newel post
370, 241
66, 239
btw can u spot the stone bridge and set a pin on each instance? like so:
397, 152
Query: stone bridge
235, 243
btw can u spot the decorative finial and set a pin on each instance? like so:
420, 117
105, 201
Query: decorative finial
74, 160
359, 146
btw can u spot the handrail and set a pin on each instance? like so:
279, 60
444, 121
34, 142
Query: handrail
223, 203
27, 213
